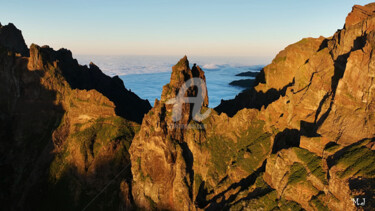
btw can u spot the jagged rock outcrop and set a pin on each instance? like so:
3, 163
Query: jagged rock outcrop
11, 38
62, 142
128, 105
302, 138
359, 13
331, 92
160, 172
190, 165
328, 100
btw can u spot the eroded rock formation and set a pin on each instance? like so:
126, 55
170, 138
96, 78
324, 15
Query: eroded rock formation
302, 138
62, 139
190, 165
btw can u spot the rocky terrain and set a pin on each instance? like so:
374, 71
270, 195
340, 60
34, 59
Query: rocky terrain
12, 39
65, 129
302, 138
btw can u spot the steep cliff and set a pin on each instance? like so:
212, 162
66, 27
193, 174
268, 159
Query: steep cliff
302, 138
128, 105
190, 165
161, 175
12, 39
62, 139
330, 104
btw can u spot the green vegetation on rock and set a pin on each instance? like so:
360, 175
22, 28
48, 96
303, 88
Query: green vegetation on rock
248, 152
316, 202
105, 141
331, 147
104, 131
357, 160
313, 163
297, 174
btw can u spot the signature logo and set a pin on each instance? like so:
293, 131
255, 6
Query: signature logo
196, 101
359, 201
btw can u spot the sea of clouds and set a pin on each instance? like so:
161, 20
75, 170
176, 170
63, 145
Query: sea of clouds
125, 65
146, 75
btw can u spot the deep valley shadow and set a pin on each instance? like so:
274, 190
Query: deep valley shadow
29, 115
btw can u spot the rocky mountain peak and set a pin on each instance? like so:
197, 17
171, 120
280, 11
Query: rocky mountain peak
181, 72
128, 104
359, 13
160, 150
12, 39
303, 138
51, 107
183, 63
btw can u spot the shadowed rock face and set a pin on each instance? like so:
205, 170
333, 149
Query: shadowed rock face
302, 139
11, 38
61, 138
128, 105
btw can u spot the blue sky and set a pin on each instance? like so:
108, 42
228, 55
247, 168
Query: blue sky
174, 27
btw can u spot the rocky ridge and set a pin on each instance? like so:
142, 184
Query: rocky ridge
12, 39
64, 136
190, 165
302, 138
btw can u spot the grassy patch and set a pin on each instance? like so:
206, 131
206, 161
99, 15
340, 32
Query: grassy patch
285, 205
269, 201
316, 201
220, 154
103, 131
260, 183
357, 160
265, 202
313, 163
91, 140
225, 152
257, 151
298, 174
58, 166
264, 197
279, 59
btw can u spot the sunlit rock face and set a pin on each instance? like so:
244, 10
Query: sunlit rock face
179, 165
301, 139
294, 141
161, 164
